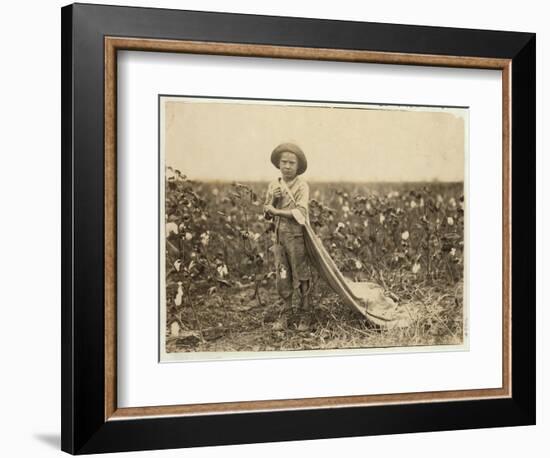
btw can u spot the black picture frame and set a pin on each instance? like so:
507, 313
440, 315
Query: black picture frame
85, 428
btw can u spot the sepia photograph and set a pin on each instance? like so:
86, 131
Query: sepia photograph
303, 228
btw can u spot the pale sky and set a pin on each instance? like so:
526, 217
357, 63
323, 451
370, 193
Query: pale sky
209, 139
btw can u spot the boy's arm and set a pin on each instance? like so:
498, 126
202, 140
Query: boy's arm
293, 214
302, 199
283, 213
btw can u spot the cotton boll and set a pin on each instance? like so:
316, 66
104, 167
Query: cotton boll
171, 228
179, 294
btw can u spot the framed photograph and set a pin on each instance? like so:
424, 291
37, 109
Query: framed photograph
239, 282
284, 228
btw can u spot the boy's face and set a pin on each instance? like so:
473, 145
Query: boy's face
288, 165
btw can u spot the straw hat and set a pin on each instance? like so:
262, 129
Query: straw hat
289, 148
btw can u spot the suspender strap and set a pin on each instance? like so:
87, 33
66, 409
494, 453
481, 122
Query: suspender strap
298, 216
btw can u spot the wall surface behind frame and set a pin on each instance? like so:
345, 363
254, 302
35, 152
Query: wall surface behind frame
30, 230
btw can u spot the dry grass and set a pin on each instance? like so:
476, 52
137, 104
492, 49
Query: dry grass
235, 321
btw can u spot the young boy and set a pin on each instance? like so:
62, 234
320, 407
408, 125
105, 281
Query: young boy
287, 193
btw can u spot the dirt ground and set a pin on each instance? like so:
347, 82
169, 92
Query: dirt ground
233, 319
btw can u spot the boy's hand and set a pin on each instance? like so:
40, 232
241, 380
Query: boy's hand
277, 192
270, 209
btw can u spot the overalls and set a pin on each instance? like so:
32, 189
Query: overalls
291, 259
